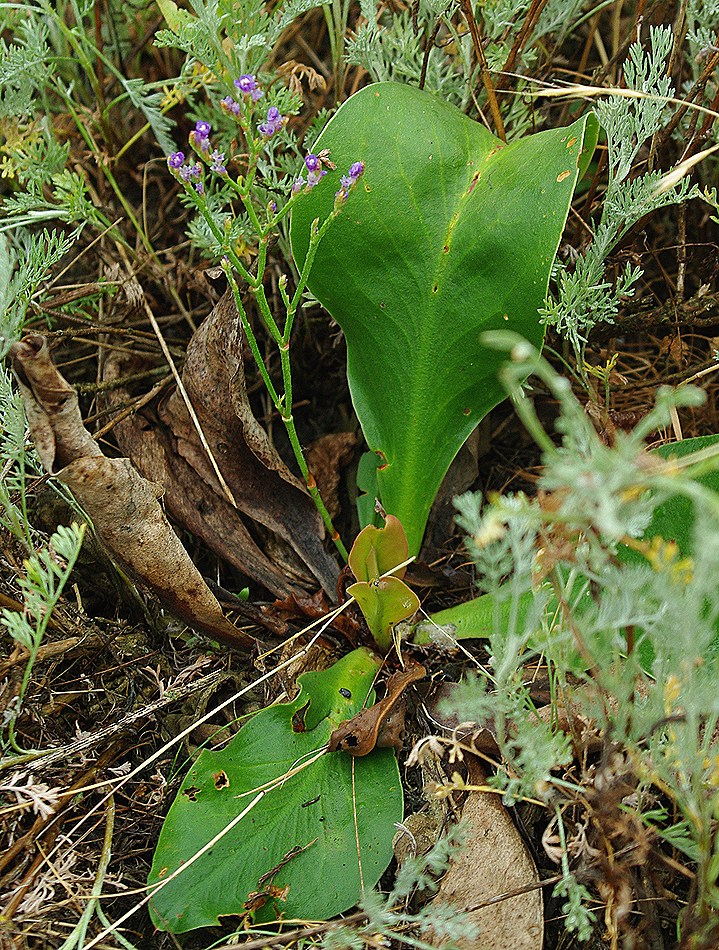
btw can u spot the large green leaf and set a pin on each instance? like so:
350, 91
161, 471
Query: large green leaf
314, 809
449, 233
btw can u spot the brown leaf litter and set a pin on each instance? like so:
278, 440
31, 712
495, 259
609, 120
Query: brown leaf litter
493, 862
256, 489
123, 506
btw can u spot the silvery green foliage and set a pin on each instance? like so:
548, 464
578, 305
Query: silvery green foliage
22, 270
389, 914
18, 460
252, 31
641, 635
391, 46
19, 59
46, 572
579, 918
702, 18
387, 45
585, 297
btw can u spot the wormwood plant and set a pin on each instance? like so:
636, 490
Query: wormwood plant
584, 296
46, 573
591, 616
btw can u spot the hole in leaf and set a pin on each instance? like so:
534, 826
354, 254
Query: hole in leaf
221, 780
298, 718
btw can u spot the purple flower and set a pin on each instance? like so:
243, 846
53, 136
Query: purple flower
199, 188
312, 163
247, 84
176, 159
313, 178
347, 183
200, 137
298, 184
218, 163
273, 123
191, 172
230, 106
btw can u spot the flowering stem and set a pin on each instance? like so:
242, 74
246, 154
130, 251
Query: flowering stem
283, 403
192, 179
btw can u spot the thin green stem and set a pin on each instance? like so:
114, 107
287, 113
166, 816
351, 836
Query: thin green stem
251, 338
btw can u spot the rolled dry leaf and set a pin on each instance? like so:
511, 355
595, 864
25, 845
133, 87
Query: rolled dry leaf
123, 506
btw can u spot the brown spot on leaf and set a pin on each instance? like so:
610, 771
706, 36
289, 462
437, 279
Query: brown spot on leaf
298, 718
221, 780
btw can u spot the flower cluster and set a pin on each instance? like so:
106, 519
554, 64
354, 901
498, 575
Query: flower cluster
348, 181
186, 172
250, 91
273, 123
200, 137
315, 172
247, 85
315, 169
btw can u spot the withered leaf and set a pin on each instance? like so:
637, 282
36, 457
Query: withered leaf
262, 486
494, 861
123, 506
379, 725
193, 495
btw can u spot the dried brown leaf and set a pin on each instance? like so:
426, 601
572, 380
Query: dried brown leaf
494, 861
381, 724
164, 445
123, 506
263, 487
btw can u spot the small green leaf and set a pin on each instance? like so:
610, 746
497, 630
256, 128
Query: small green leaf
313, 809
384, 603
175, 17
377, 550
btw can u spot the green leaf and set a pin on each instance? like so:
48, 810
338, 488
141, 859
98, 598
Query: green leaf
384, 603
673, 519
313, 809
378, 550
367, 489
173, 15
449, 233
473, 618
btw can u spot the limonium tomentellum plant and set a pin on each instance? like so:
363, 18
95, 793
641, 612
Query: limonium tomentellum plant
204, 176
